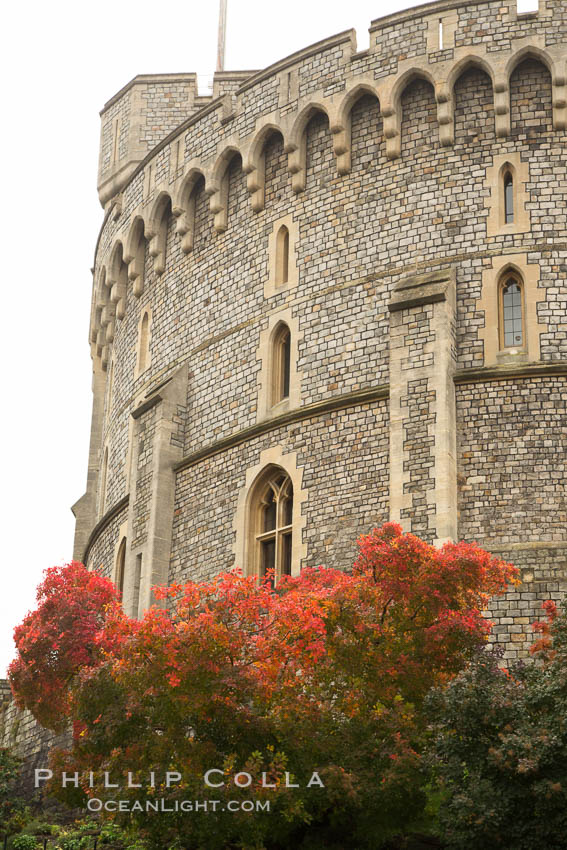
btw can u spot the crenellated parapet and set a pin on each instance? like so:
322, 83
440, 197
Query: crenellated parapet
143, 113
182, 141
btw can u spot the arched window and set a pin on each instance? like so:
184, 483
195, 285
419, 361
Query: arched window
281, 364
512, 332
144, 344
120, 566
272, 513
508, 187
282, 256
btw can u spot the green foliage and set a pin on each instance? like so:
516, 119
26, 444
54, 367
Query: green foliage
79, 836
40, 828
25, 842
12, 809
500, 751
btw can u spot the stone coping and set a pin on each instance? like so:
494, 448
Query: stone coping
307, 411
426, 9
104, 522
139, 79
300, 55
417, 290
501, 373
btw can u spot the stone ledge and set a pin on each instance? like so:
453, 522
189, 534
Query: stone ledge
527, 546
299, 56
103, 523
417, 290
146, 405
421, 11
499, 373
319, 408
140, 79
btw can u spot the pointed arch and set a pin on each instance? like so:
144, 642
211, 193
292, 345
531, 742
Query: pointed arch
120, 568
297, 145
392, 107
531, 111
506, 184
183, 207
425, 103
118, 278
254, 164
143, 342
466, 64
271, 524
280, 363
511, 309
531, 51
115, 262
272, 464
342, 132
218, 187
282, 255
156, 229
472, 88
135, 254
143, 360
366, 127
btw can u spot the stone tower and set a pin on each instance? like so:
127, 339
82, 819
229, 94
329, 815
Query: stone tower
333, 294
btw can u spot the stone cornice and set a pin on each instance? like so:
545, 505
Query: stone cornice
104, 522
299, 56
146, 405
140, 79
420, 11
308, 411
526, 545
417, 290
501, 373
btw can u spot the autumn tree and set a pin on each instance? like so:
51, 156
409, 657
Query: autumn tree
58, 639
327, 674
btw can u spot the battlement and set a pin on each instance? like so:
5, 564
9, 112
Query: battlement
432, 40
143, 113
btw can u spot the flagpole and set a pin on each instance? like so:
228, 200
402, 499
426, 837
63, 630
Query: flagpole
222, 35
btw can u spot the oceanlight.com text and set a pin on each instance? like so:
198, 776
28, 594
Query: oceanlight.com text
186, 806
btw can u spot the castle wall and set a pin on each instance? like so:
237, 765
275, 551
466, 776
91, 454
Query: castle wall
102, 551
512, 464
344, 459
385, 166
20, 733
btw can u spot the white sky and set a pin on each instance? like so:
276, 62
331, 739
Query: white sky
60, 62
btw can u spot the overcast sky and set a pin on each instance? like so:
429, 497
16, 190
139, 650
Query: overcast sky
61, 61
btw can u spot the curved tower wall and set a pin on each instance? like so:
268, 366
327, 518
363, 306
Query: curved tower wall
386, 167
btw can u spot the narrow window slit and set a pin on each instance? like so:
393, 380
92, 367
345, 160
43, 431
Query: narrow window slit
508, 198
